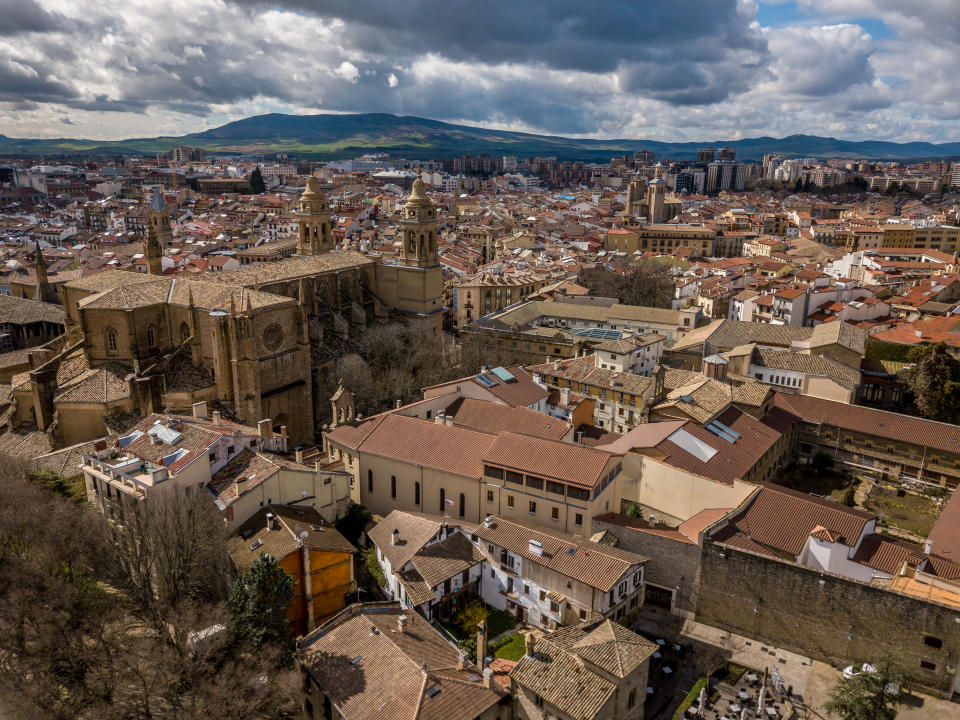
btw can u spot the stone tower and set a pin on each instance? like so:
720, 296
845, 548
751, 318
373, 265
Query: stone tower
419, 229
316, 236
634, 192
342, 405
158, 233
44, 291
656, 195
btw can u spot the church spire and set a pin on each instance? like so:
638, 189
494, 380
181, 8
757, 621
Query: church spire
315, 234
44, 291
419, 225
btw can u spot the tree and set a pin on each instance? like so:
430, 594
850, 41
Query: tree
258, 601
822, 462
644, 281
935, 382
470, 616
257, 185
868, 695
354, 522
169, 549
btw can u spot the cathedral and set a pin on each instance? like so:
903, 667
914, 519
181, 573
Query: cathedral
657, 208
248, 340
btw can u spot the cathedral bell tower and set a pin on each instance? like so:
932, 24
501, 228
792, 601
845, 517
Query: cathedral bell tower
158, 233
656, 195
313, 213
419, 228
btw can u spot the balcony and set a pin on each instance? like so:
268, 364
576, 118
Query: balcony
130, 475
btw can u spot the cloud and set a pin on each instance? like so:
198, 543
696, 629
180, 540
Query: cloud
27, 16
702, 69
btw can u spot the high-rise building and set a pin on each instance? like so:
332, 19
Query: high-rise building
726, 154
705, 155
642, 157
724, 176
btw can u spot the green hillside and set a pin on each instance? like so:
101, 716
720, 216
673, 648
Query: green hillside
338, 136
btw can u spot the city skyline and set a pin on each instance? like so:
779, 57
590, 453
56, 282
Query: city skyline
850, 69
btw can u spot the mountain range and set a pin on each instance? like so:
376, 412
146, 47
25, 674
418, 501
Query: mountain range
327, 136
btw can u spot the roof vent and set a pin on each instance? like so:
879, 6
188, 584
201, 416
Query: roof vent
488, 521
255, 544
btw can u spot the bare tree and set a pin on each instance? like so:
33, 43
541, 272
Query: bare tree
168, 549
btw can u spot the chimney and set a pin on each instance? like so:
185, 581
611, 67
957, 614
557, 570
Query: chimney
488, 678
200, 410
273, 522
394, 536
398, 403
463, 660
401, 623
215, 417
564, 396
482, 644
529, 642
283, 431
448, 420
439, 418
298, 454
928, 547
265, 429
536, 547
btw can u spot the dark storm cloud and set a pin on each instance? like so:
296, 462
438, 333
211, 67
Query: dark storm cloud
711, 39
21, 81
26, 16
563, 34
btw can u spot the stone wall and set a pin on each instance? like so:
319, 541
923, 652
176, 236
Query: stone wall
825, 616
672, 562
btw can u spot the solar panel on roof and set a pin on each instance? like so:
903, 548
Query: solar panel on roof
729, 431
504, 374
720, 433
486, 380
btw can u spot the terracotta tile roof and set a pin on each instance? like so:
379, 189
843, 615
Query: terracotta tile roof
370, 670
291, 268
562, 668
595, 564
879, 423
783, 519
883, 554
574, 464
254, 538
21, 311
808, 365
246, 471
443, 560
494, 417
522, 393
423, 442
584, 370
730, 461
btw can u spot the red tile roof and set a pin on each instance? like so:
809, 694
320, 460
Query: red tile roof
570, 463
782, 519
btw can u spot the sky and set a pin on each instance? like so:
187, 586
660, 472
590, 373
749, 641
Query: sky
673, 70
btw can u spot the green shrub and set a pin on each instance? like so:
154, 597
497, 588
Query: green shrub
691, 697
373, 566
849, 496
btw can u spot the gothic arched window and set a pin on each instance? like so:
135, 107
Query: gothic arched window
184, 332
151, 336
111, 340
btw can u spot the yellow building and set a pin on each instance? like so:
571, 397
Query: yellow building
318, 559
